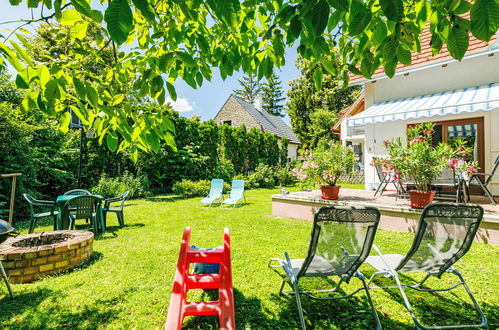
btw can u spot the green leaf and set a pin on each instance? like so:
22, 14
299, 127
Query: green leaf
80, 90
393, 9
484, 16
21, 82
52, 92
360, 17
70, 17
112, 141
15, 2
436, 44
79, 31
145, 9
317, 77
226, 10
186, 58
341, 5
119, 20
82, 7
380, 33
390, 67
329, 66
171, 91
294, 31
404, 55
320, 16
457, 42
65, 120
44, 74
21, 51
389, 50
93, 98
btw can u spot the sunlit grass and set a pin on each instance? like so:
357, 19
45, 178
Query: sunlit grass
128, 282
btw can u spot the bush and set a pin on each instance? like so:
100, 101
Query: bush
285, 176
112, 187
263, 176
223, 170
187, 188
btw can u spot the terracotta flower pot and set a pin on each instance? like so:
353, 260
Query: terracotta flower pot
419, 199
330, 192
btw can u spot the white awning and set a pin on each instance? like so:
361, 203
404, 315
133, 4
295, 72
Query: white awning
481, 98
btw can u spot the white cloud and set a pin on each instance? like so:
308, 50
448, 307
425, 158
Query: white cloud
180, 105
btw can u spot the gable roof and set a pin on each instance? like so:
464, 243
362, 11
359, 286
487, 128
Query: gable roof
425, 57
268, 122
356, 107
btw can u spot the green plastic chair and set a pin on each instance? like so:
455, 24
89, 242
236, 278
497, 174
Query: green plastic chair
81, 207
77, 192
215, 195
47, 208
119, 210
341, 240
236, 194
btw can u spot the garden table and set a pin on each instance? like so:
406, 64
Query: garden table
61, 200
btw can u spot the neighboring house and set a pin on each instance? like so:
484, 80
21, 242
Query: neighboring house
236, 112
461, 98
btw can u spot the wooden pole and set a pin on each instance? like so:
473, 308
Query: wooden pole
12, 193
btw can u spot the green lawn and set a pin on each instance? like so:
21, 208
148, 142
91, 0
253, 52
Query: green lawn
128, 282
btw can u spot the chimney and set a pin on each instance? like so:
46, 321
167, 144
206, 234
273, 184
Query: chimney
258, 103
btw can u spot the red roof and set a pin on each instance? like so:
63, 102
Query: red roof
425, 57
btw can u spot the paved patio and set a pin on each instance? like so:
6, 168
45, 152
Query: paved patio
396, 213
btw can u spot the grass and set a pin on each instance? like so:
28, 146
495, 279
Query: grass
127, 283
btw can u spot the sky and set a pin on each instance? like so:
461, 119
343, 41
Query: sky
204, 101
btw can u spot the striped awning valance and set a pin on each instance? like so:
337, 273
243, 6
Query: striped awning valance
481, 98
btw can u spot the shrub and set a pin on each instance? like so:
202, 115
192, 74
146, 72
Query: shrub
284, 176
112, 187
187, 188
263, 176
223, 170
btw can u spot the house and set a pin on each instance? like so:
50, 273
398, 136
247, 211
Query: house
460, 97
236, 112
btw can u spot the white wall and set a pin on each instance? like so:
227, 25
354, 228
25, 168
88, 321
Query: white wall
471, 72
292, 150
380, 132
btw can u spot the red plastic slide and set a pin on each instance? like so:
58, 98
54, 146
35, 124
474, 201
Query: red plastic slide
224, 306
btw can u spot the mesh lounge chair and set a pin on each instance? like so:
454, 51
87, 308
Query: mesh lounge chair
236, 194
215, 194
482, 180
340, 242
444, 235
81, 207
49, 207
77, 192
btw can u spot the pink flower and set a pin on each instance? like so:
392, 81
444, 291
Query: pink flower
305, 165
314, 165
387, 143
472, 170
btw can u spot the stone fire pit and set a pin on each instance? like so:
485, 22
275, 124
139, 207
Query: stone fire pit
27, 258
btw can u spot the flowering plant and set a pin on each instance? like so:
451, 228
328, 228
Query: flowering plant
420, 160
326, 164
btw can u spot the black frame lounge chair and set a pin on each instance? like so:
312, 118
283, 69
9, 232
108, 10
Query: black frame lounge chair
444, 235
341, 240
482, 180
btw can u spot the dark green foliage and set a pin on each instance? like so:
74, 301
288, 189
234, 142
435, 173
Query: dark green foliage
266, 176
313, 111
250, 88
272, 96
8, 90
114, 187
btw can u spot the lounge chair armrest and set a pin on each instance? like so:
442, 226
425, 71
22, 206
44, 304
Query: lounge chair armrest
38, 202
387, 264
111, 200
288, 268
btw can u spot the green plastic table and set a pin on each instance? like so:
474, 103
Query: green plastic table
61, 200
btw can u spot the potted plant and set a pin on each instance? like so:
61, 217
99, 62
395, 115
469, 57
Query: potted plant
325, 165
421, 161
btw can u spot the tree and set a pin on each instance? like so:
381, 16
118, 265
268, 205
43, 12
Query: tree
8, 91
272, 96
250, 88
313, 111
171, 39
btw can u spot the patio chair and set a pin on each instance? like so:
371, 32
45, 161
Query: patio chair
482, 180
47, 209
81, 207
118, 210
341, 239
236, 194
215, 194
444, 235
385, 178
77, 192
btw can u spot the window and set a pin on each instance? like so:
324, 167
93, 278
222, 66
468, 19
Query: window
228, 122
